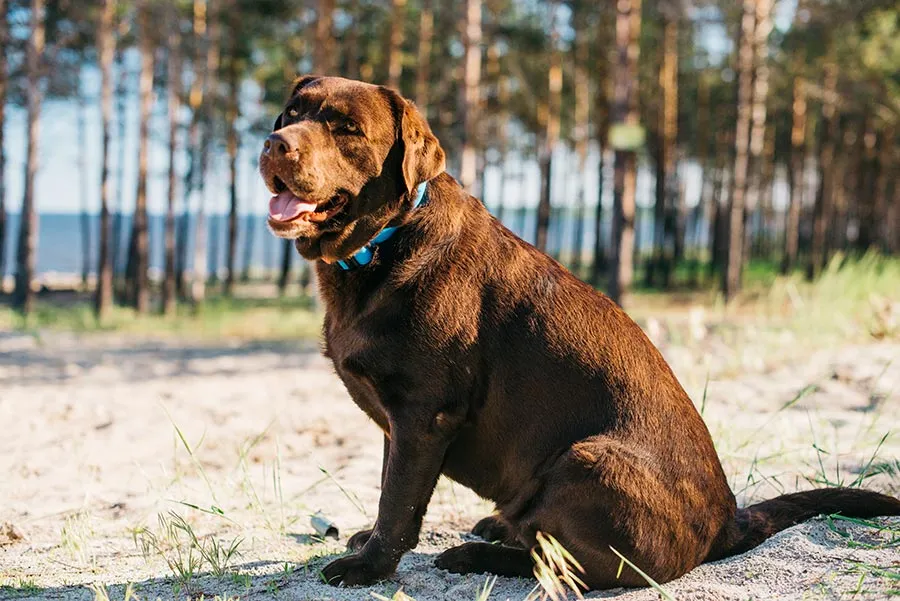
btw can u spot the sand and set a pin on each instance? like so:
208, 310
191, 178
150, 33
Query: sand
90, 456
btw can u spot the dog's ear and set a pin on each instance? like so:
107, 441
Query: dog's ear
299, 83
278, 122
423, 157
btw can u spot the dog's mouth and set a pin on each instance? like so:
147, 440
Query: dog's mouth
286, 207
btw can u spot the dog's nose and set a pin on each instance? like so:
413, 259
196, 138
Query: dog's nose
277, 145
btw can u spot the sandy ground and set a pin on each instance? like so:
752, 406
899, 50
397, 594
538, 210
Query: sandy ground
90, 456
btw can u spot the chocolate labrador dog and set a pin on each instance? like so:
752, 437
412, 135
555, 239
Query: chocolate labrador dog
483, 359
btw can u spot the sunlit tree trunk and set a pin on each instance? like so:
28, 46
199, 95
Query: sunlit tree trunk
395, 44
106, 51
797, 177
824, 193
886, 174
704, 134
118, 211
23, 295
601, 134
551, 136
233, 113
351, 42
737, 207
83, 191
582, 124
666, 186
625, 110
471, 94
174, 102
4, 80
323, 52
201, 250
423, 72
863, 186
140, 243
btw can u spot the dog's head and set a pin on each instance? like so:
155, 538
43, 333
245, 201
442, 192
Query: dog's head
343, 162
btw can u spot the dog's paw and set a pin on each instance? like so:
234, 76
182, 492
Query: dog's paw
358, 540
492, 528
459, 560
354, 570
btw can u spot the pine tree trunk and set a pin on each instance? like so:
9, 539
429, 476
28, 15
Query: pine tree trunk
582, 124
886, 173
551, 138
323, 53
106, 51
705, 207
351, 43
395, 44
83, 193
201, 250
233, 115
625, 110
797, 178
140, 245
174, 102
23, 295
4, 81
737, 209
756, 176
471, 94
824, 194
287, 254
119, 210
423, 73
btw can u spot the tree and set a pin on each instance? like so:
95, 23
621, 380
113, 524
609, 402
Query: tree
23, 295
232, 115
103, 297
4, 79
174, 102
139, 249
395, 44
824, 193
471, 99
550, 116
581, 52
423, 71
737, 209
625, 113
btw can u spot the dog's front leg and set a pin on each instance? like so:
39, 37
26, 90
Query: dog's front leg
415, 455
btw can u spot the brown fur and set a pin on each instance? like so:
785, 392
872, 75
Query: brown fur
483, 359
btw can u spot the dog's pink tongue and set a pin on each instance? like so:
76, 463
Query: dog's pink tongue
286, 206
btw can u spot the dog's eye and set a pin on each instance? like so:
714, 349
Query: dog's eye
348, 127
292, 112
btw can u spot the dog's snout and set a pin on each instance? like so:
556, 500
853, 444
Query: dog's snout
278, 145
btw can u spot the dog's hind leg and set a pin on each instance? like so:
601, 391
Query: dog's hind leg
495, 528
486, 558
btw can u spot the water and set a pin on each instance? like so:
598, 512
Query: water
60, 239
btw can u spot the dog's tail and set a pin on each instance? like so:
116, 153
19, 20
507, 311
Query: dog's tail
752, 525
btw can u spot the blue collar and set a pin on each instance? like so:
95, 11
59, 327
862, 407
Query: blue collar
364, 256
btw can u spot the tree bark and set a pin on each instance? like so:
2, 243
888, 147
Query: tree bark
85, 218
287, 254
824, 193
140, 245
471, 94
23, 295
582, 125
107, 49
757, 166
201, 251
174, 102
625, 110
665, 242
4, 81
351, 44
233, 145
119, 210
886, 174
551, 137
423, 73
395, 44
737, 209
797, 177
323, 53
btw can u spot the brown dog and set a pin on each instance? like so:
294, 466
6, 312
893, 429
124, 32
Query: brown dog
483, 359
